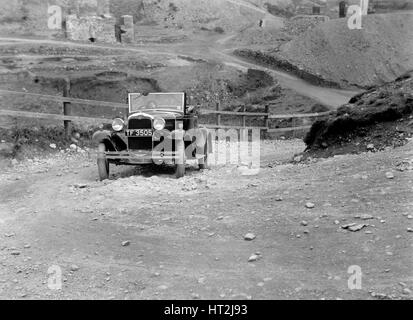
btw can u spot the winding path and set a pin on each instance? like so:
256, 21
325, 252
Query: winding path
204, 50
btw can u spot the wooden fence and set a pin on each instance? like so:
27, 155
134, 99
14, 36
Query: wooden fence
67, 117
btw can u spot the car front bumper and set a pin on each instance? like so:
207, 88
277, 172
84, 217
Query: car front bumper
140, 157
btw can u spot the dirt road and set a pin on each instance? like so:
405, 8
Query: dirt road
327, 96
186, 237
212, 48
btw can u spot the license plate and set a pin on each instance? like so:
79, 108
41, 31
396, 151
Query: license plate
139, 133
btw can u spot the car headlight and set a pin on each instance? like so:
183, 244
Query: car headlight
118, 124
159, 124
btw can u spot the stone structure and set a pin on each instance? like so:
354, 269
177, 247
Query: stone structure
127, 29
338, 9
90, 28
99, 26
302, 23
311, 8
90, 20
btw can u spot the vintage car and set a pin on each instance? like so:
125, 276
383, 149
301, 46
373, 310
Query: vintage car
159, 129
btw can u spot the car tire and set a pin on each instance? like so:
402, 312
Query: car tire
180, 167
179, 171
203, 163
103, 163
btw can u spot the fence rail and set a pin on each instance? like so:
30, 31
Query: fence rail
68, 118
51, 116
299, 115
68, 100
235, 113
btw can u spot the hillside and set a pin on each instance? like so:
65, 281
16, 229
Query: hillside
30, 16
373, 120
378, 53
191, 14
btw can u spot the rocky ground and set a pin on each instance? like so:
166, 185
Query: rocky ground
201, 67
290, 232
378, 53
330, 54
373, 120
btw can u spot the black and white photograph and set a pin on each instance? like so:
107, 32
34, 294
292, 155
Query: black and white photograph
206, 151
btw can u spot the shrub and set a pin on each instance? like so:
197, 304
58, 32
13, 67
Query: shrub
219, 30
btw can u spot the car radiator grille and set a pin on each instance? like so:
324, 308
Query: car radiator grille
140, 123
140, 143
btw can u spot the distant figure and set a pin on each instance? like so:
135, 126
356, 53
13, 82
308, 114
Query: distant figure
92, 34
119, 32
342, 9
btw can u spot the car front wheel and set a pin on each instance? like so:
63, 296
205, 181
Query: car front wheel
203, 163
103, 163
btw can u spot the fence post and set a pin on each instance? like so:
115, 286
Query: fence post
243, 117
66, 109
295, 124
218, 106
267, 120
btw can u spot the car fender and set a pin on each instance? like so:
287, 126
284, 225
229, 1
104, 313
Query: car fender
112, 142
100, 136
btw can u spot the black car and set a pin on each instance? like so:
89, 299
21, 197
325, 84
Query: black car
160, 128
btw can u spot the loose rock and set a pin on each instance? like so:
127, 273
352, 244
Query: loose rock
407, 291
309, 205
366, 217
249, 236
253, 258
357, 227
80, 185
74, 268
354, 227
298, 158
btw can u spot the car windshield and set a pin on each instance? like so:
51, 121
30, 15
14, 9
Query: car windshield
172, 101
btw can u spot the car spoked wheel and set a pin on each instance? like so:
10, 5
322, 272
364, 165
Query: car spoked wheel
203, 163
103, 163
180, 161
